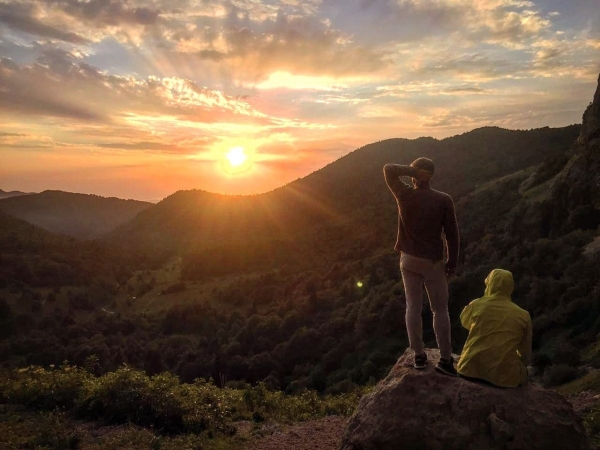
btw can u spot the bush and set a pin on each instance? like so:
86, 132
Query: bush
129, 395
558, 374
161, 402
54, 433
591, 420
207, 407
45, 389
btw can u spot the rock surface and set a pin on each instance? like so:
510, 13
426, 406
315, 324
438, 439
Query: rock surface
412, 409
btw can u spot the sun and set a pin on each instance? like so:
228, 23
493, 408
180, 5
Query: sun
236, 156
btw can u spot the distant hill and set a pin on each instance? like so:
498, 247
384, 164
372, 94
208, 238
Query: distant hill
346, 201
4, 194
32, 256
78, 215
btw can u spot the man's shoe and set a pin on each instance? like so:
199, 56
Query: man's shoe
446, 366
420, 361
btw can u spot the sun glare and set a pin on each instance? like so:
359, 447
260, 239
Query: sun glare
237, 156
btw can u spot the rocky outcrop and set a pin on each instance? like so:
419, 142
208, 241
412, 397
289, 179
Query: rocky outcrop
590, 128
412, 409
580, 179
570, 199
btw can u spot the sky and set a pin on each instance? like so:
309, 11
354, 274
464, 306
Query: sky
139, 99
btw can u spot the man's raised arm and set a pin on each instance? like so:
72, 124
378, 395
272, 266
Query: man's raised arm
392, 174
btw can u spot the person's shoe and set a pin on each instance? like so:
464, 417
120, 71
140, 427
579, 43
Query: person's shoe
446, 366
420, 361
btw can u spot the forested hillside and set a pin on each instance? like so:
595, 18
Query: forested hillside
349, 194
78, 215
300, 287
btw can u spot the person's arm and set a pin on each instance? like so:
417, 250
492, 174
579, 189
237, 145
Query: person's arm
452, 237
525, 345
466, 316
392, 174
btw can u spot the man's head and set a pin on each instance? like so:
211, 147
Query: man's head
426, 165
423, 164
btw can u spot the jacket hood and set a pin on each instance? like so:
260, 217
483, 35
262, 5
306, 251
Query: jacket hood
499, 282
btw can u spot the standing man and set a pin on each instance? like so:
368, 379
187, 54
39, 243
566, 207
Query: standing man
423, 215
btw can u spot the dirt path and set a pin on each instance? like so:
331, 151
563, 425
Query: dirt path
322, 434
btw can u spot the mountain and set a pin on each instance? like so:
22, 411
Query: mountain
344, 203
4, 194
31, 256
78, 215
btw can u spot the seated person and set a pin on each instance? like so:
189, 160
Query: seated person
499, 344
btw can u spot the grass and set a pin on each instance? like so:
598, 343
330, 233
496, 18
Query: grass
588, 382
591, 415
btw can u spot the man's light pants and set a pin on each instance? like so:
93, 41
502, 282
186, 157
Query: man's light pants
416, 271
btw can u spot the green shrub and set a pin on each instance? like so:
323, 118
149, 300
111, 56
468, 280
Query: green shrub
207, 407
558, 374
54, 434
129, 395
161, 402
45, 389
591, 420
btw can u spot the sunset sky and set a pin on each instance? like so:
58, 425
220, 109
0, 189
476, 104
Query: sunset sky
139, 99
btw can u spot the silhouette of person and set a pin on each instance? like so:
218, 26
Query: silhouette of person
426, 223
498, 347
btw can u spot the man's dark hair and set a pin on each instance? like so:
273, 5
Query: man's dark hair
423, 164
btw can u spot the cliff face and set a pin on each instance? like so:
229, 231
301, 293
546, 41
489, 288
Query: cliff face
590, 129
581, 175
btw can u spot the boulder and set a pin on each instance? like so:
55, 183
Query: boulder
423, 409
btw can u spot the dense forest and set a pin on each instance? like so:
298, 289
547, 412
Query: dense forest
299, 288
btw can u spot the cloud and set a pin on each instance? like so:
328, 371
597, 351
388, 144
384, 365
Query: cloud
175, 145
474, 67
464, 90
255, 50
23, 93
55, 83
22, 17
104, 13
25, 141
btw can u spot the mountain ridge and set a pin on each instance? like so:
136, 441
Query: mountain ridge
341, 191
84, 216
8, 194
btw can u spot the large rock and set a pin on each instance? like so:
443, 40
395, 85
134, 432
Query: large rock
412, 409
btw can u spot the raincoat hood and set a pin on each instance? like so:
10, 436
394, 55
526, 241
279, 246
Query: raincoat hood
499, 283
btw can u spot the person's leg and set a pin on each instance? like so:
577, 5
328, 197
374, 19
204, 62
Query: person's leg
413, 290
437, 290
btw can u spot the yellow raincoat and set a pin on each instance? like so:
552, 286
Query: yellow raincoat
499, 344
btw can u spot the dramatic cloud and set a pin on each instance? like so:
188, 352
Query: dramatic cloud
24, 17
